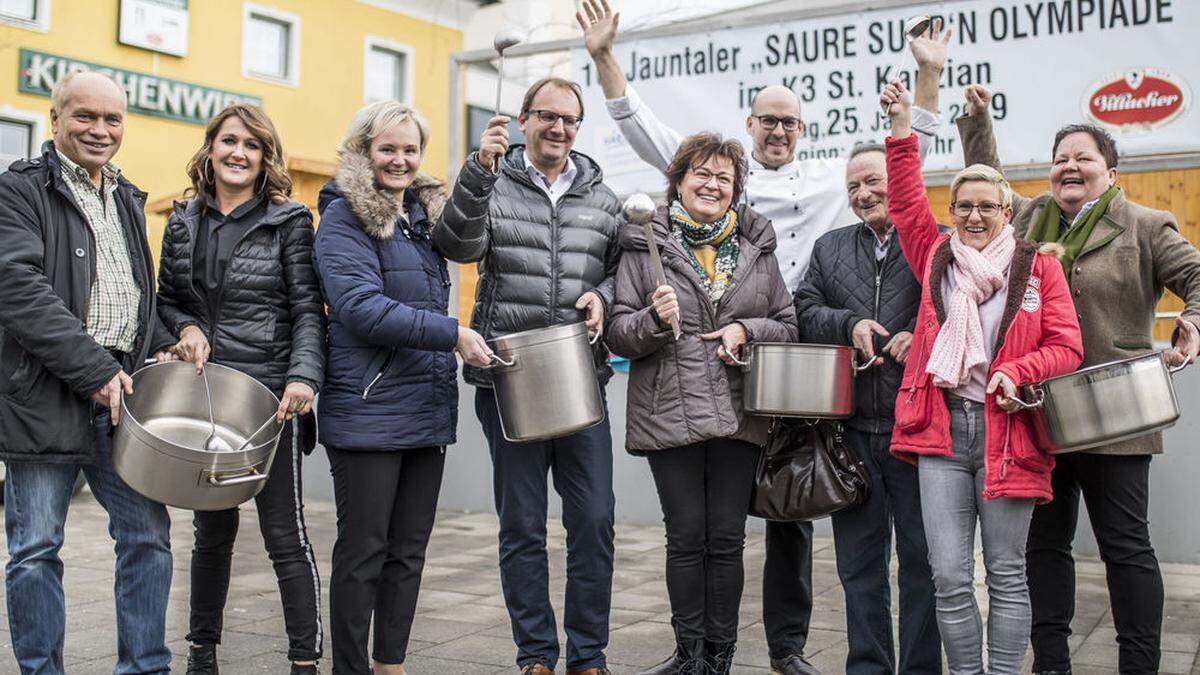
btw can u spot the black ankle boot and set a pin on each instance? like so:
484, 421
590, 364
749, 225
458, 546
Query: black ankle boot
718, 657
202, 660
688, 659
307, 669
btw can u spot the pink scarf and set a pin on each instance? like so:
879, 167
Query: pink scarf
960, 345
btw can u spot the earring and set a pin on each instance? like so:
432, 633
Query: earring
207, 171
263, 175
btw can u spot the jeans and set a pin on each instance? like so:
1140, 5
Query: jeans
281, 521
951, 503
581, 465
704, 489
862, 537
1117, 493
36, 498
787, 587
386, 503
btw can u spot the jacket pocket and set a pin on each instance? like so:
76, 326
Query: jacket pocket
376, 370
1023, 444
914, 405
24, 376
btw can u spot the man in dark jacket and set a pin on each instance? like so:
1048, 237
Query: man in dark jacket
859, 291
543, 228
77, 313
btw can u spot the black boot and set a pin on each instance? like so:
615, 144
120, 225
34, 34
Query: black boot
202, 660
306, 669
718, 657
688, 659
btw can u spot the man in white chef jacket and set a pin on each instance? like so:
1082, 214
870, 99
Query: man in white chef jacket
804, 199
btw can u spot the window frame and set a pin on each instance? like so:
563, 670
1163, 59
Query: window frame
252, 11
35, 122
40, 22
373, 42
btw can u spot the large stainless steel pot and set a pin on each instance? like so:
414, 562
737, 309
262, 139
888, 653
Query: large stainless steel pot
786, 379
1103, 404
545, 382
158, 448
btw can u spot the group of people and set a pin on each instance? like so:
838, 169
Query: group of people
956, 320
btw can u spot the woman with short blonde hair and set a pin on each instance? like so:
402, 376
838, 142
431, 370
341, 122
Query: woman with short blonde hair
390, 399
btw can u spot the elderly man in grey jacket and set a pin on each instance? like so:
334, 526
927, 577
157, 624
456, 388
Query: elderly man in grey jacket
542, 226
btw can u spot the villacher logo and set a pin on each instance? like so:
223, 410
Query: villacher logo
1137, 101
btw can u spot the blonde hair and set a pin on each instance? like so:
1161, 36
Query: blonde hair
374, 120
273, 175
984, 174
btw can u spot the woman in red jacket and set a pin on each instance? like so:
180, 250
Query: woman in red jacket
994, 315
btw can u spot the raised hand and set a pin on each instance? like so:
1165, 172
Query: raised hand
897, 102
979, 99
599, 25
493, 144
929, 50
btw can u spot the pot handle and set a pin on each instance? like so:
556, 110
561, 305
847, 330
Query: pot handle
595, 338
499, 360
857, 368
744, 364
1175, 369
1041, 398
253, 477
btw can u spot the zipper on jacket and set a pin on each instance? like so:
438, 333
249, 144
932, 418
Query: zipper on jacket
553, 258
216, 309
378, 376
875, 317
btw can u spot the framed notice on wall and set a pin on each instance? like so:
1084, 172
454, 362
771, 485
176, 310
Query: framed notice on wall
157, 25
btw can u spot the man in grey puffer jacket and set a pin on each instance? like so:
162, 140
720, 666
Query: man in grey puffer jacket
543, 228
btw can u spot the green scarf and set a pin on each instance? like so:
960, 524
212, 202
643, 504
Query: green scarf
712, 248
1048, 228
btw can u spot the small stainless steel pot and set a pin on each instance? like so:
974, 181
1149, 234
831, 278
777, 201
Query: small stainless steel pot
158, 448
1103, 404
545, 382
787, 379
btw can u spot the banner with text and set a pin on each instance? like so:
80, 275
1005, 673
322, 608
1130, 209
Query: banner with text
1129, 65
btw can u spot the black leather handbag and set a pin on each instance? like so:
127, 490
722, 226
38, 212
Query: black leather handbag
806, 472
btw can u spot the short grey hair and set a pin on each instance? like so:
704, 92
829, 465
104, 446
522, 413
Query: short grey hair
58, 95
374, 120
982, 173
864, 148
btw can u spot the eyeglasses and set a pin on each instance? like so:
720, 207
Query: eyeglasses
703, 176
769, 122
550, 118
986, 209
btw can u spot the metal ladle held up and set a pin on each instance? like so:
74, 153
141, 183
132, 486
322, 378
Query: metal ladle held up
916, 27
503, 40
639, 209
213, 443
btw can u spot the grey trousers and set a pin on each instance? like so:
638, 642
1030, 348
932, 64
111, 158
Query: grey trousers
951, 503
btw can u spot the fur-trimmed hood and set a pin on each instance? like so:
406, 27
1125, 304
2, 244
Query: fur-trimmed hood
377, 210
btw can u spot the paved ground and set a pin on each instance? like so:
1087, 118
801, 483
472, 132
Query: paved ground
462, 626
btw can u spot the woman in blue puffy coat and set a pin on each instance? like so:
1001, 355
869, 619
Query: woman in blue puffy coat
389, 404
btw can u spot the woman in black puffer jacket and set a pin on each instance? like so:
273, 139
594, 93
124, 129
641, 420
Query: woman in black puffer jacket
237, 286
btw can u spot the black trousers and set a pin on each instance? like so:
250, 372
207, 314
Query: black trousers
1117, 493
787, 587
704, 490
386, 502
281, 521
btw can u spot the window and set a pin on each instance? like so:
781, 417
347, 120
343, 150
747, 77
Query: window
16, 140
270, 45
32, 14
387, 71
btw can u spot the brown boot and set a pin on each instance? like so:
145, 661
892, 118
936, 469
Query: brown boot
536, 669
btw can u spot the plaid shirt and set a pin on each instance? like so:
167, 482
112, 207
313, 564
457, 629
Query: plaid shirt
112, 316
